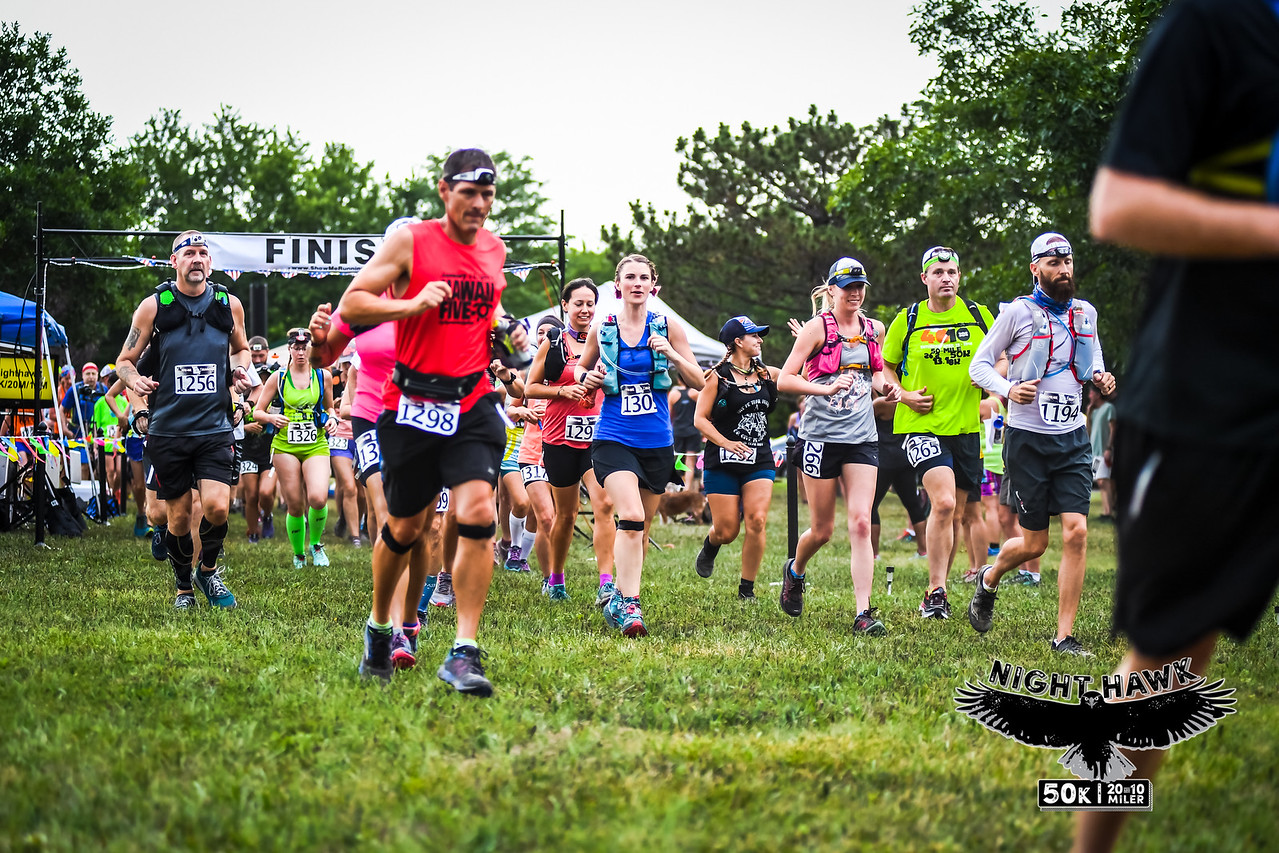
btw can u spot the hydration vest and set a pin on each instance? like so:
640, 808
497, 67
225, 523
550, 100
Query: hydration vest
171, 314
827, 359
1081, 345
610, 351
318, 413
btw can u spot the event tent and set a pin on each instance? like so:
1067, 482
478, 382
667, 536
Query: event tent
18, 325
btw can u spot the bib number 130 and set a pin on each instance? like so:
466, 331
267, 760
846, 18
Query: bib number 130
429, 416
638, 399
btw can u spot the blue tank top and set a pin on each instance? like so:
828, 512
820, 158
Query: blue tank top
637, 417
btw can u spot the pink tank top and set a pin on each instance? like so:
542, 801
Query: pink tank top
376, 351
555, 421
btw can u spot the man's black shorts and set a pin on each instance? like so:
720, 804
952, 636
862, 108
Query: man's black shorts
565, 465
962, 453
1197, 553
179, 462
416, 464
1050, 474
654, 466
688, 443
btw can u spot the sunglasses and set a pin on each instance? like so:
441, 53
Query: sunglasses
1058, 251
483, 177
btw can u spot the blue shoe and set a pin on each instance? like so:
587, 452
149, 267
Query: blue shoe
268, 527
140, 527
557, 592
515, 561
159, 550
613, 610
1024, 578
464, 669
377, 655
606, 592
631, 620
214, 589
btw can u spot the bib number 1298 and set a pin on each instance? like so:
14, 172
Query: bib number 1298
429, 416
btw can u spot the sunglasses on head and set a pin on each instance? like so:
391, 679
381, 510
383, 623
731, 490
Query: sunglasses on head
483, 177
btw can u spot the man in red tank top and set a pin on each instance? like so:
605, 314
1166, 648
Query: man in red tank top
441, 425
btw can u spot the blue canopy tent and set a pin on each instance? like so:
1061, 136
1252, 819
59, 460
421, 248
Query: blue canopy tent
18, 325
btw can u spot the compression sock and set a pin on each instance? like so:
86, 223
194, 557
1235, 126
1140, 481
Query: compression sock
211, 538
517, 529
526, 543
315, 520
181, 550
605, 577
296, 527
556, 578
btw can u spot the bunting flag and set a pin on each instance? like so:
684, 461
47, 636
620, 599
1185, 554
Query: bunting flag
40, 446
520, 272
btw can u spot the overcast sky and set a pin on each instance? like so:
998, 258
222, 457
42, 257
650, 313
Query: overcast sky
595, 93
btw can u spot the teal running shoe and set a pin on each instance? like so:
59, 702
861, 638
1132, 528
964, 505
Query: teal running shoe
214, 589
318, 557
557, 592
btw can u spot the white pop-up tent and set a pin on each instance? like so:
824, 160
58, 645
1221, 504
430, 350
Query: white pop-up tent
706, 349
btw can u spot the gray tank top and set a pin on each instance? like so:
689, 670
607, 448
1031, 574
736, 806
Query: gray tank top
191, 366
846, 417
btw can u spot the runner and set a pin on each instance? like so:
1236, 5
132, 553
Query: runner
568, 428
189, 442
732, 413
930, 345
300, 448
1101, 429
441, 426
538, 526
1053, 349
342, 459
257, 480
895, 472
839, 352
688, 441
1185, 178
512, 499
632, 454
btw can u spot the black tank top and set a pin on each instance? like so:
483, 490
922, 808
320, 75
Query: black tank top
742, 415
191, 371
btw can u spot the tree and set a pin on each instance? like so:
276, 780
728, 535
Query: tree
1003, 147
55, 149
759, 234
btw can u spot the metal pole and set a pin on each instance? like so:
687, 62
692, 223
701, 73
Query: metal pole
38, 477
792, 498
563, 253
101, 466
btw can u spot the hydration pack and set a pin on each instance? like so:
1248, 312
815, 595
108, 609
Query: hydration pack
1083, 341
171, 313
826, 360
610, 351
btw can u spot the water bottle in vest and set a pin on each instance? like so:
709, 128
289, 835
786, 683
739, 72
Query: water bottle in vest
1035, 363
997, 431
1085, 344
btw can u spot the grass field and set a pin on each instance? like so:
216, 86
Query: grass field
127, 726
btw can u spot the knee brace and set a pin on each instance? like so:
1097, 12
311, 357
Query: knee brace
396, 547
627, 524
477, 531
211, 538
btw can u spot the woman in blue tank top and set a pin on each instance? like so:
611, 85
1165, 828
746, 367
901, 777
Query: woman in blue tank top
633, 454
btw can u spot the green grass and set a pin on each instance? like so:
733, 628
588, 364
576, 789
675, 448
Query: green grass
127, 726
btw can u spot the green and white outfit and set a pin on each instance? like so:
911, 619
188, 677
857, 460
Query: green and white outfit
303, 438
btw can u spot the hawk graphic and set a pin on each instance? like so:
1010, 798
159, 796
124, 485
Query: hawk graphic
1092, 730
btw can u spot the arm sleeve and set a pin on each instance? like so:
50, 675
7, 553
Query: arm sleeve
982, 367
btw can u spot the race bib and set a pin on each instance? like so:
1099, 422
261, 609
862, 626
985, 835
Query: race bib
638, 399
920, 448
580, 428
726, 455
195, 379
811, 464
368, 452
1059, 409
442, 505
301, 432
429, 415
533, 474
336, 443
247, 467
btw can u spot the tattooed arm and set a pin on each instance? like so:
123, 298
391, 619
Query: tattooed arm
139, 337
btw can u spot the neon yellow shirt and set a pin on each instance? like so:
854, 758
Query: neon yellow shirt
941, 348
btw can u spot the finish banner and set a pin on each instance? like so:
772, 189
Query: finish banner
316, 255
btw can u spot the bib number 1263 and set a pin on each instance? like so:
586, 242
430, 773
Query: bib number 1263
429, 416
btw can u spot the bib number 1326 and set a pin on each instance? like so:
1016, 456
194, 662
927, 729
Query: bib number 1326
638, 399
429, 416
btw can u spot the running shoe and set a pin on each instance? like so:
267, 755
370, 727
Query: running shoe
546, 586
185, 601
630, 618
159, 549
1068, 645
908, 535
500, 550
992, 551
613, 610
557, 592
515, 561
403, 655
443, 595
981, 610
140, 527
428, 589
464, 669
935, 605
299, 562
255, 538
605, 594
743, 595
214, 589
377, 654
705, 563
970, 575
1024, 578
355, 542
867, 623
268, 526
318, 557
792, 598
339, 529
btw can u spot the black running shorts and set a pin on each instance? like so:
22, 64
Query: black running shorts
825, 460
416, 465
367, 451
565, 466
180, 462
654, 466
1196, 551
1050, 474
962, 453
